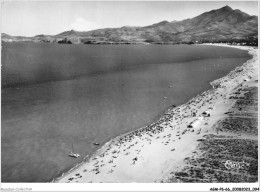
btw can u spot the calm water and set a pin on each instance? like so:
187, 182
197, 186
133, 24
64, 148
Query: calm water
53, 95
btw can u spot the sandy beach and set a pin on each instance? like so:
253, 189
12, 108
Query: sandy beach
157, 152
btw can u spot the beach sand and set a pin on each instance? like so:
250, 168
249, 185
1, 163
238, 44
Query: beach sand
166, 150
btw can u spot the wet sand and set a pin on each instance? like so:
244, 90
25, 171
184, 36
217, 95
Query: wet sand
157, 152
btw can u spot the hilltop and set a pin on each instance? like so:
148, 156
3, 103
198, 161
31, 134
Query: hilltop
224, 24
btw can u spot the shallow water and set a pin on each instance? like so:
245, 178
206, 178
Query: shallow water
54, 95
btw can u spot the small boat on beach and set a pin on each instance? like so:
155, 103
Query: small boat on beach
73, 154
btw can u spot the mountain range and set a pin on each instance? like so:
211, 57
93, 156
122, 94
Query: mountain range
224, 24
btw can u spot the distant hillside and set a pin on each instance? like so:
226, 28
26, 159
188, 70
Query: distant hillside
224, 24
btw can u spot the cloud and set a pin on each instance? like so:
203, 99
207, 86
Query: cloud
81, 24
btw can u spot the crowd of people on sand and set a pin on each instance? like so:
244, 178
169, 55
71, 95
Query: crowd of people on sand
173, 115
177, 114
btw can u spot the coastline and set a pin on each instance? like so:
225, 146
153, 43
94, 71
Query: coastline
136, 156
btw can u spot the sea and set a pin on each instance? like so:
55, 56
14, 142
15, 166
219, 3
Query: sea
54, 96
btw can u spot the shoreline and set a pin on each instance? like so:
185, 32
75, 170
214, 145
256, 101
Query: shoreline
140, 160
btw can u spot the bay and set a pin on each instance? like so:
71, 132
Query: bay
54, 95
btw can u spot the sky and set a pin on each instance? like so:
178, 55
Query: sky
29, 18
